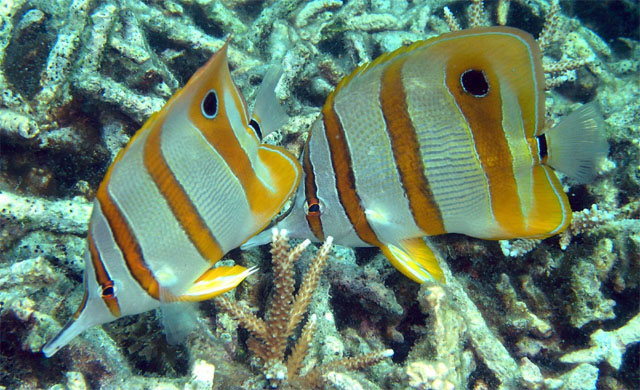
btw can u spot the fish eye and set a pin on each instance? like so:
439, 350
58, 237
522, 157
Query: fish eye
209, 105
474, 82
108, 290
256, 128
313, 207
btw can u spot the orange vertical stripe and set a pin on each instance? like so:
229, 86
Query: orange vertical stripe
178, 200
484, 117
406, 151
345, 180
102, 276
125, 239
314, 221
221, 136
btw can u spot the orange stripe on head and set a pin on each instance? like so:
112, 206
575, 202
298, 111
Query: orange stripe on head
178, 200
406, 151
125, 239
103, 279
483, 114
345, 180
313, 219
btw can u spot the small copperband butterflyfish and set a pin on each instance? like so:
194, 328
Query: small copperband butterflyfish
193, 183
444, 136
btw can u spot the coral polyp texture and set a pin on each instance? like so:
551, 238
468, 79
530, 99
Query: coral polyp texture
79, 77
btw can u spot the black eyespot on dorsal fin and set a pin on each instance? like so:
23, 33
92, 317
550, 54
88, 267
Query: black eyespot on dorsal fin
209, 105
474, 82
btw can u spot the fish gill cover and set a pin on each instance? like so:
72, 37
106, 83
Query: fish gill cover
79, 77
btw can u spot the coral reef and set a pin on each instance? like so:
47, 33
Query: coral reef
79, 77
269, 338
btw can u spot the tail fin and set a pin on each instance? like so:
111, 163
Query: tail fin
578, 145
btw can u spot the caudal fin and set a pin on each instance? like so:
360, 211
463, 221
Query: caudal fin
577, 145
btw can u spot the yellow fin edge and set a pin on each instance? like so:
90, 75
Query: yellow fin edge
214, 282
415, 260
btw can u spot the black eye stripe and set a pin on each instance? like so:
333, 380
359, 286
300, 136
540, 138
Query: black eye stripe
209, 105
256, 128
108, 290
474, 82
313, 207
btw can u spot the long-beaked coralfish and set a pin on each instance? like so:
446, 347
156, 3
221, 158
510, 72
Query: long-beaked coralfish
193, 183
444, 136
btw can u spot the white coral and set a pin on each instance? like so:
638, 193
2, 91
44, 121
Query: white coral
607, 346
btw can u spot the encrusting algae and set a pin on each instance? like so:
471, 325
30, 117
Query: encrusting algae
78, 78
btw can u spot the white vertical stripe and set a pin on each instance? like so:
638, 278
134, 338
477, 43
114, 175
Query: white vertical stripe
521, 153
559, 196
453, 168
132, 298
377, 180
334, 219
214, 190
249, 143
166, 248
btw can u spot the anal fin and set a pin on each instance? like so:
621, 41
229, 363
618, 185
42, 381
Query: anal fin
214, 282
415, 260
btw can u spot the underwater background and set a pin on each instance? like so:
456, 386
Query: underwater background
79, 77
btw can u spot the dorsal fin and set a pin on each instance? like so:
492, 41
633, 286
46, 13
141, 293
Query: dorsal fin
267, 111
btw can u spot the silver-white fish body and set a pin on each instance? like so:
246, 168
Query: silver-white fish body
192, 184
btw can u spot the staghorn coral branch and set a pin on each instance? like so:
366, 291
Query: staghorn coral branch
565, 65
309, 284
301, 348
280, 311
552, 21
607, 346
359, 362
247, 319
270, 337
476, 14
451, 20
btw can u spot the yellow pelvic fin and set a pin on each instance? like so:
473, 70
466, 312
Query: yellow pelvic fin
415, 260
214, 282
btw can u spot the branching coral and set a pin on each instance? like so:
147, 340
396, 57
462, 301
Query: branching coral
586, 221
607, 346
270, 336
557, 72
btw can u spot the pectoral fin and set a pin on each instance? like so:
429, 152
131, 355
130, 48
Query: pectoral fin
415, 260
214, 282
